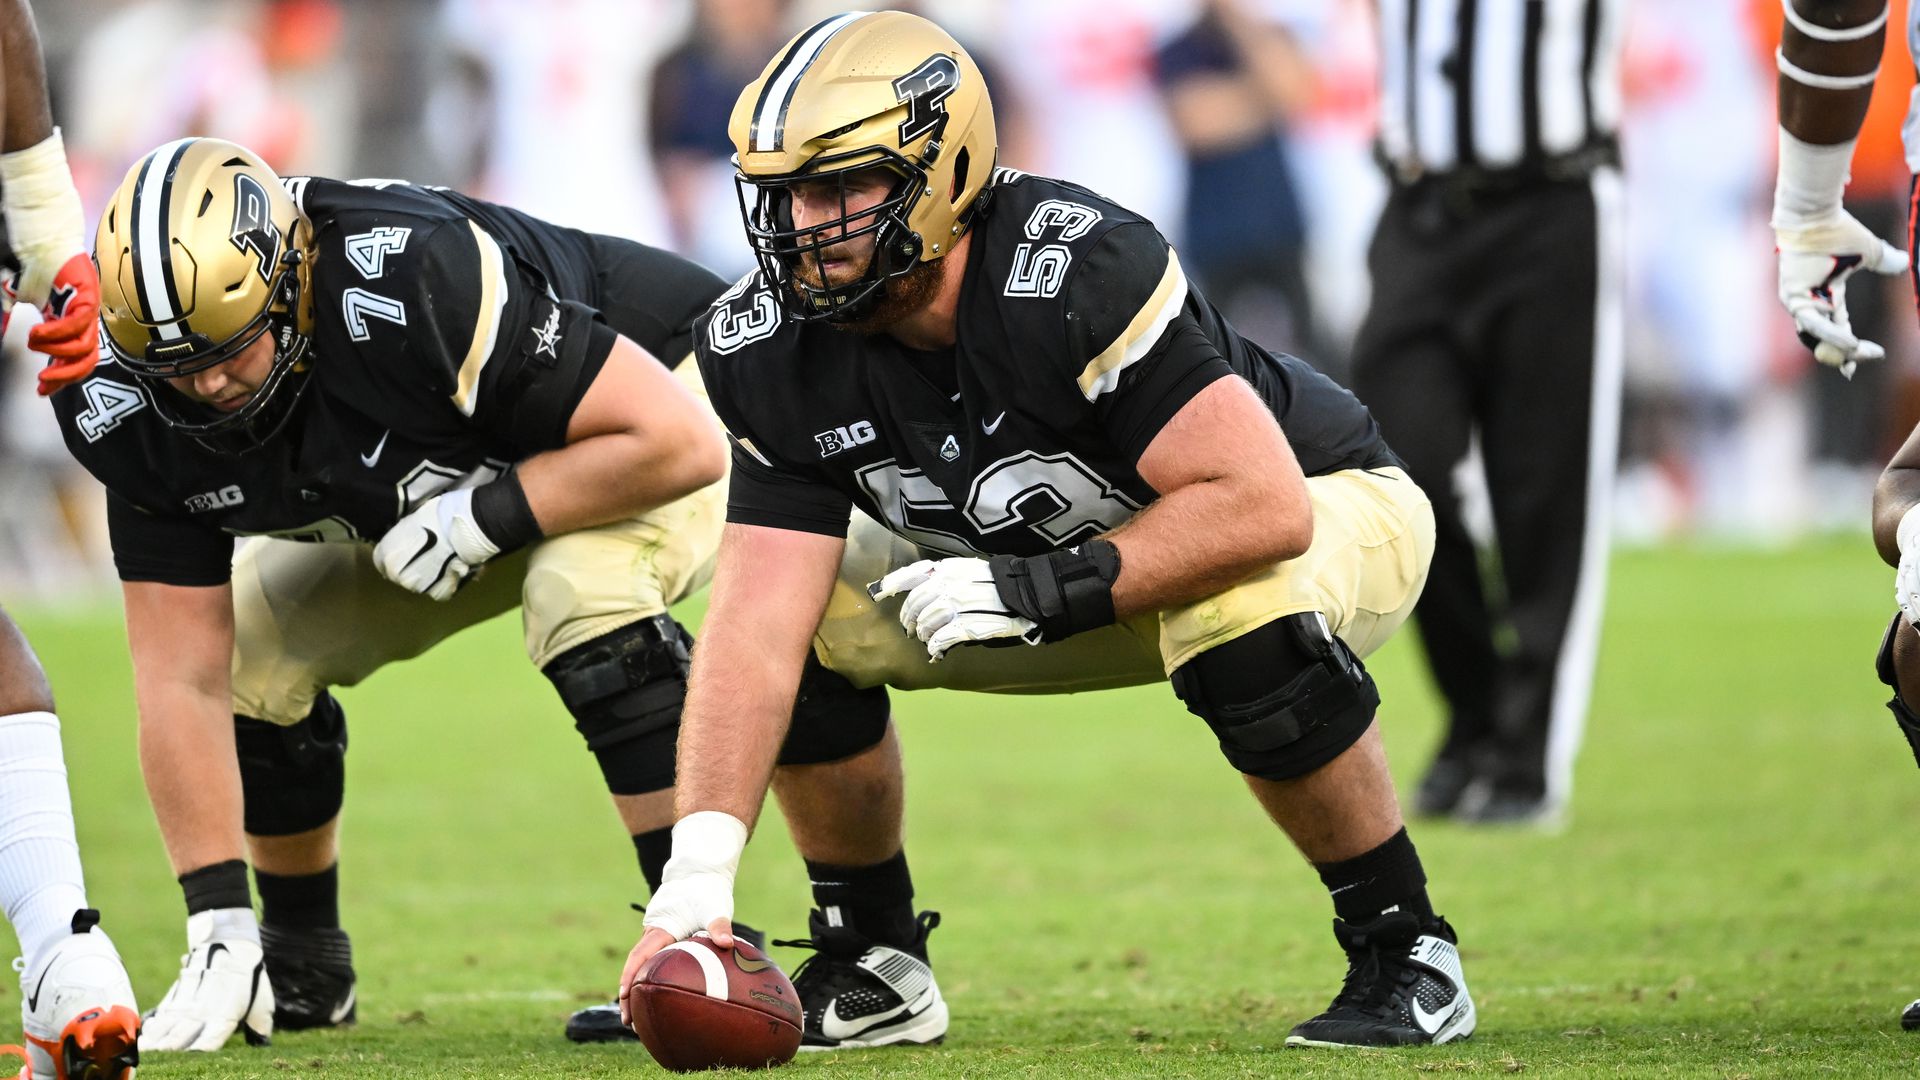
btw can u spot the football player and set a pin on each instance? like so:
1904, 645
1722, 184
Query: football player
1829, 58
426, 410
1067, 452
76, 1004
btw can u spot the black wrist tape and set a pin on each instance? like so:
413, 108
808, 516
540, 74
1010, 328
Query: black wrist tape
500, 509
222, 885
1063, 592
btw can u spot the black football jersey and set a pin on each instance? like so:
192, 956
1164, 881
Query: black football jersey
1078, 339
452, 338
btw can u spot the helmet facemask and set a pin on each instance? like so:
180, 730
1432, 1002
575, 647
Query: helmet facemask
781, 248
254, 424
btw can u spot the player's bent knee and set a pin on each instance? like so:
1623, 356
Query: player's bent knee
294, 776
626, 690
1283, 699
832, 719
1898, 665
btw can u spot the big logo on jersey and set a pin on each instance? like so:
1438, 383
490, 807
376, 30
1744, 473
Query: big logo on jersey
925, 91
1055, 495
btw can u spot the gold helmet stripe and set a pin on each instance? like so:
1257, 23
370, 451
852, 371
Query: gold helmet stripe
770, 112
1102, 373
152, 259
486, 328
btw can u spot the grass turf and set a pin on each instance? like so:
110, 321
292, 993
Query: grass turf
1733, 896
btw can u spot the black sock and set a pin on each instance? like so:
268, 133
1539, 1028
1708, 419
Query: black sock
653, 848
1388, 877
876, 900
222, 885
300, 901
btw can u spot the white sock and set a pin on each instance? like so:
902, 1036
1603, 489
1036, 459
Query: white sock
40, 880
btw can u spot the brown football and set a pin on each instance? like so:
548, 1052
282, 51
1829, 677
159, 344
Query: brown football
697, 1006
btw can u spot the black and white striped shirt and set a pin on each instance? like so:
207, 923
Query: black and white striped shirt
1496, 84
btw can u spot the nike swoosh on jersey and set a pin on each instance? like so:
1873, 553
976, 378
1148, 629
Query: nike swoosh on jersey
995, 426
370, 460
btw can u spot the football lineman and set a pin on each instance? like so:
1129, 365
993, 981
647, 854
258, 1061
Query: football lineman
76, 1004
1829, 58
426, 410
1066, 451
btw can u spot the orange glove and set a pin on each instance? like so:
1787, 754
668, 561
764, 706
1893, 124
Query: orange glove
69, 330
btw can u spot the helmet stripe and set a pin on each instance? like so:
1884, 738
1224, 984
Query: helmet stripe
770, 112
152, 250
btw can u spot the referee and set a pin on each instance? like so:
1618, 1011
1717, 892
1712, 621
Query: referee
1491, 358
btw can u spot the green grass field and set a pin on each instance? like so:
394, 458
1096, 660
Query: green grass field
1735, 895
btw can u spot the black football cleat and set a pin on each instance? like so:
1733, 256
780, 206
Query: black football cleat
1910, 1017
311, 972
601, 1023
1403, 987
1439, 792
857, 992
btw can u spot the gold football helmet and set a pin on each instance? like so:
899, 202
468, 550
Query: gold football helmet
201, 251
858, 90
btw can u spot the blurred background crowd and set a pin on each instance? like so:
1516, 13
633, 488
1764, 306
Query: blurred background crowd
1243, 127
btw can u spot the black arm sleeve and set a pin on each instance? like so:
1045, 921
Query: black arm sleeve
171, 551
1138, 352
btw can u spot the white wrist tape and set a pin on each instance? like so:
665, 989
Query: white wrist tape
1908, 533
1839, 33
43, 209
706, 842
1811, 181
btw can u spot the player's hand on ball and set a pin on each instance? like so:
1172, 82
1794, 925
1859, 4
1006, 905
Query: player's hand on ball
695, 893
1816, 259
952, 602
434, 549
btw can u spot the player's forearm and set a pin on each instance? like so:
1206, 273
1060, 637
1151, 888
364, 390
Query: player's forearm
188, 760
1205, 538
1829, 50
738, 709
29, 121
608, 477
770, 588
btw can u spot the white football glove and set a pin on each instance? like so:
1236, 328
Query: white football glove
696, 887
222, 986
434, 549
1906, 578
951, 602
1816, 259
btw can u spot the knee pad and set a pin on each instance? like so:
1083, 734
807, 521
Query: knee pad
293, 777
1883, 666
625, 690
1283, 699
833, 720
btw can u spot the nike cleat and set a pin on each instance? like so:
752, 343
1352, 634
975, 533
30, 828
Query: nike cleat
601, 1023
857, 992
78, 1011
1403, 988
312, 975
